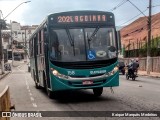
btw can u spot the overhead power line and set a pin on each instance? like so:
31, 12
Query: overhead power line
141, 12
136, 7
155, 5
156, 28
143, 27
137, 30
117, 6
133, 18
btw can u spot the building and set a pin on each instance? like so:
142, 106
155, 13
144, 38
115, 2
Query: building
21, 34
6, 35
20, 37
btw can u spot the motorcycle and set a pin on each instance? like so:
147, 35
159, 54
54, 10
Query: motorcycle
7, 67
131, 73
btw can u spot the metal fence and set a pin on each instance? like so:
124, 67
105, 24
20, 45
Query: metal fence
138, 48
155, 63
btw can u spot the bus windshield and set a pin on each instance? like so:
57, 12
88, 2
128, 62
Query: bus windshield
82, 44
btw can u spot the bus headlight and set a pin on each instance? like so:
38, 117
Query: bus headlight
57, 74
114, 71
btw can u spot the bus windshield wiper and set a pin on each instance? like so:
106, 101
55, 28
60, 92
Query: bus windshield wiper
71, 40
91, 37
93, 34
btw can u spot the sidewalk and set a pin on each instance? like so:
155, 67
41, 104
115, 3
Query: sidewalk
3, 75
152, 74
16, 64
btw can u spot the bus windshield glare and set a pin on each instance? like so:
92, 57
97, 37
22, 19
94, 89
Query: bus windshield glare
77, 44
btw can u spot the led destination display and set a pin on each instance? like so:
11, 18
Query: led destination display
82, 18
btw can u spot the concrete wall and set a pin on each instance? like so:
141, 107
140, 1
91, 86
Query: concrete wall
155, 63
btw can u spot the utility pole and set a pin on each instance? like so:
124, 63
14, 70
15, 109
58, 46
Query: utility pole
2, 25
149, 38
1, 48
25, 38
12, 44
25, 44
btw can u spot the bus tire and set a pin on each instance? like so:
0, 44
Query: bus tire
50, 93
44, 81
98, 91
37, 85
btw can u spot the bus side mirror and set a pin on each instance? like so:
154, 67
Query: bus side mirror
118, 37
45, 29
45, 32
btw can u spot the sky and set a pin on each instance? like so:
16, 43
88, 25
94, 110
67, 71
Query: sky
34, 12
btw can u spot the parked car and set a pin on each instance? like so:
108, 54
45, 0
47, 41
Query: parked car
17, 57
121, 67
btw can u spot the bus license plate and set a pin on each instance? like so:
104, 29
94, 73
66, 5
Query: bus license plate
87, 82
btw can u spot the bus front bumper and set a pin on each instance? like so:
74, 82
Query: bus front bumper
71, 84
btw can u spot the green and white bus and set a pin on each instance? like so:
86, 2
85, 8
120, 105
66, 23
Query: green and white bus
75, 50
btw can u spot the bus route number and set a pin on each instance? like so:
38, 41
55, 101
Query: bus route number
71, 72
63, 19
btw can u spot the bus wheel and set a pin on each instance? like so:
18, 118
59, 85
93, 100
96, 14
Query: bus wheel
49, 92
98, 91
36, 83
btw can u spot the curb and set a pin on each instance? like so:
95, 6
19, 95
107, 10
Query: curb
149, 76
4, 75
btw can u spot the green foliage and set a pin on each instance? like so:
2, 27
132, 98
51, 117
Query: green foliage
142, 52
154, 48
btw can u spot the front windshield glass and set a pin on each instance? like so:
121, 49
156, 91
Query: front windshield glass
87, 44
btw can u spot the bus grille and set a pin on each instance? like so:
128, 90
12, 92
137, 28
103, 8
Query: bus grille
85, 65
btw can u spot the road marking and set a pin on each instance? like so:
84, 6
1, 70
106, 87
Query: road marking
29, 92
26, 83
34, 104
32, 99
18, 66
28, 87
20, 69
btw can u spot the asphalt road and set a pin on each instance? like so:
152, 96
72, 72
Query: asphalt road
140, 95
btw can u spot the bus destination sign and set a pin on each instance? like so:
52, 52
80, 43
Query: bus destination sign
81, 19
